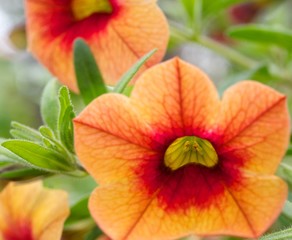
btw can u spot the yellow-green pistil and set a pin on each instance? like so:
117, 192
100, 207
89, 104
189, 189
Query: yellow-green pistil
84, 8
190, 149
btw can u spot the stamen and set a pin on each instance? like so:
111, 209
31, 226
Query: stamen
84, 8
190, 150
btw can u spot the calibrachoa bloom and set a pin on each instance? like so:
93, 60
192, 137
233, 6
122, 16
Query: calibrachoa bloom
114, 29
30, 212
174, 159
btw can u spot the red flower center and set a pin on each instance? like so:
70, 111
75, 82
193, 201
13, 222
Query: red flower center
69, 19
189, 172
19, 231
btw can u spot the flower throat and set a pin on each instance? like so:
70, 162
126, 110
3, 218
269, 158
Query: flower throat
190, 150
84, 8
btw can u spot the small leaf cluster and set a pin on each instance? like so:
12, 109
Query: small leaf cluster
45, 151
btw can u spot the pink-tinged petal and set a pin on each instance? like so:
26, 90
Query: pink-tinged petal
247, 210
30, 211
50, 214
177, 99
253, 127
109, 151
15, 197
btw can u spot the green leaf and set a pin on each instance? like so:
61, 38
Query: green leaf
21, 131
188, 6
50, 105
65, 124
49, 144
193, 9
89, 79
20, 174
38, 156
64, 103
287, 210
126, 78
46, 132
285, 171
66, 129
263, 34
77, 187
79, 211
94, 234
64, 100
281, 235
7, 156
289, 151
128, 90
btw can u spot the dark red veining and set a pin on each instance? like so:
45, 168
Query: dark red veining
58, 20
191, 185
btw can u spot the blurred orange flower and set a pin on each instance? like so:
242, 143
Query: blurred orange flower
174, 159
30, 212
118, 32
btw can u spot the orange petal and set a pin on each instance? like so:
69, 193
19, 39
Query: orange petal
177, 98
247, 210
50, 213
254, 126
137, 28
113, 124
42, 211
110, 138
122, 142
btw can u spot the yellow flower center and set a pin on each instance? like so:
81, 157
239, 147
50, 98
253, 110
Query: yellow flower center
190, 149
84, 8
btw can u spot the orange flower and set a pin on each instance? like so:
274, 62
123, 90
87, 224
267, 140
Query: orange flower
118, 31
174, 159
30, 212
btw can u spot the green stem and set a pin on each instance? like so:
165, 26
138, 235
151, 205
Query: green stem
224, 50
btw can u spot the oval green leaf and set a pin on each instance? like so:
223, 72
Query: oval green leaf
38, 156
262, 34
127, 77
50, 105
89, 79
